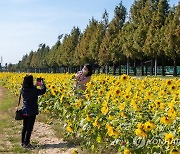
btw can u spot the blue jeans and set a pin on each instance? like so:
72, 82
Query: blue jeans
28, 123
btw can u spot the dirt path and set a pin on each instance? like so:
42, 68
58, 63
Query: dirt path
0, 93
48, 142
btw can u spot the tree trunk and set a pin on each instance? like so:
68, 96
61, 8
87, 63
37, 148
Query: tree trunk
103, 71
114, 69
142, 67
175, 68
155, 63
146, 69
70, 71
107, 69
54, 69
74, 70
151, 73
119, 68
99, 69
94, 70
127, 68
163, 68
64, 69
134, 68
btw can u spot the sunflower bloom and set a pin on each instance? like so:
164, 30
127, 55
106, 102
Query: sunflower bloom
172, 112
123, 115
169, 82
169, 138
88, 117
104, 108
69, 129
141, 133
100, 92
96, 123
124, 77
122, 106
117, 92
158, 103
78, 104
173, 88
116, 134
174, 151
148, 126
110, 130
74, 152
140, 125
127, 151
166, 120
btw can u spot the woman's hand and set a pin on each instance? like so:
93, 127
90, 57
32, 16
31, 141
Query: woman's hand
78, 74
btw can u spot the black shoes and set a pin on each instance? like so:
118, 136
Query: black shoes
28, 146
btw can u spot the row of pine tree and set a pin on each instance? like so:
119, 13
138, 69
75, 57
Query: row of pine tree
149, 32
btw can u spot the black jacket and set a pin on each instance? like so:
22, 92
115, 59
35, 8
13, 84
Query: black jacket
30, 98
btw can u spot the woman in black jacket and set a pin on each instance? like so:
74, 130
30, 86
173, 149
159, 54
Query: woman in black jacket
30, 95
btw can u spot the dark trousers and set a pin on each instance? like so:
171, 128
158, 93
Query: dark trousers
28, 123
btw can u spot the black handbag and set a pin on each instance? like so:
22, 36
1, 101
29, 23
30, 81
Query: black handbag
18, 114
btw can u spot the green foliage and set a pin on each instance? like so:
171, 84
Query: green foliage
67, 49
172, 33
151, 30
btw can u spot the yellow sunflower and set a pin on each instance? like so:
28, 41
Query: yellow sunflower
169, 138
141, 133
148, 126
96, 123
166, 120
127, 151
122, 106
174, 151
88, 117
69, 129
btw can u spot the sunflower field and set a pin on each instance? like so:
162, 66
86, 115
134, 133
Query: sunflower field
128, 114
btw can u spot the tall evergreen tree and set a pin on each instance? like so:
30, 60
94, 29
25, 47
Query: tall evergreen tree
29, 59
152, 45
172, 36
34, 61
53, 57
109, 51
68, 46
87, 49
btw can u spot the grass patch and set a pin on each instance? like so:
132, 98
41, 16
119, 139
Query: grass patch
11, 136
7, 101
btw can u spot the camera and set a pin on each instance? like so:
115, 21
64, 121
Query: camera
39, 79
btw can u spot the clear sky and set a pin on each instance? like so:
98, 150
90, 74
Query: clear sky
24, 24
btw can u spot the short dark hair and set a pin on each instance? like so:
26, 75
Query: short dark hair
28, 81
89, 67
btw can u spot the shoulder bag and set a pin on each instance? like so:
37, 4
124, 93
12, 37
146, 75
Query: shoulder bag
18, 114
